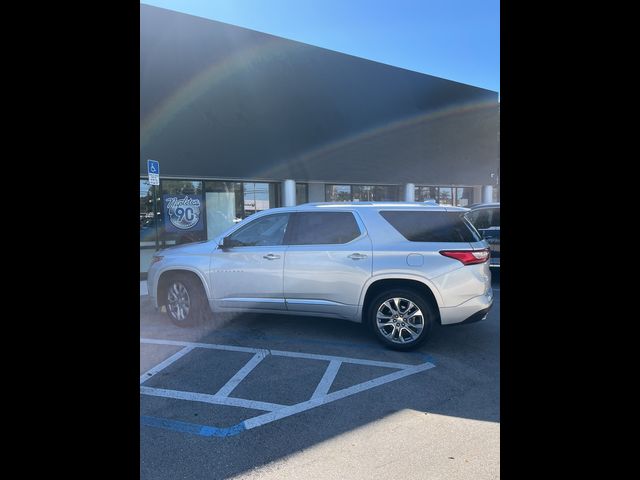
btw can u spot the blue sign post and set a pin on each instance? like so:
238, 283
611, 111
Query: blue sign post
153, 170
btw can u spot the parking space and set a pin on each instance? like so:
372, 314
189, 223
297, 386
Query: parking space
269, 396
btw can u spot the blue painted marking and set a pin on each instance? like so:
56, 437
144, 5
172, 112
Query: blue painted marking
185, 427
153, 166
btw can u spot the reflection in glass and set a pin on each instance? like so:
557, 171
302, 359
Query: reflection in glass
422, 194
302, 193
258, 197
445, 196
361, 193
223, 206
464, 196
147, 225
338, 193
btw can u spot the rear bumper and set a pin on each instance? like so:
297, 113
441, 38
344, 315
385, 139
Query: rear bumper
476, 317
470, 311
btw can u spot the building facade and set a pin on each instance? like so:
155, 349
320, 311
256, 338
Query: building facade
241, 121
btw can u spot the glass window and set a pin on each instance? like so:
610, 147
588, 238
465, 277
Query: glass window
338, 193
302, 193
485, 218
320, 228
495, 219
259, 197
374, 193
445, 195
224, 206
423, 194
361, 193
265, 231
147, 222
182, 207
148, 245
431, 226
464, 196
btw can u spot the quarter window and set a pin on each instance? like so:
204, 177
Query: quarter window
431, 226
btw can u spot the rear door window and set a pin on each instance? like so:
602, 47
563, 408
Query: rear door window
432, 226
321, 228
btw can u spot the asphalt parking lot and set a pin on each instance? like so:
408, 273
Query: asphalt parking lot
268, 396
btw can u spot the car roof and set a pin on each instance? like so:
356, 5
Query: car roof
318, 206
484, 205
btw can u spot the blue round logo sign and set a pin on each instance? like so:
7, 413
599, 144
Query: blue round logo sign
184, 213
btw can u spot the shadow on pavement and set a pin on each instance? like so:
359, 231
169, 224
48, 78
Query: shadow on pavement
464, 384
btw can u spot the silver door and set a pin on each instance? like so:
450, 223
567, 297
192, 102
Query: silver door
250, 276
326, 278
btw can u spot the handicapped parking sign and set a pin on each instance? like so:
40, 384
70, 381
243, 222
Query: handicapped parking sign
153, 169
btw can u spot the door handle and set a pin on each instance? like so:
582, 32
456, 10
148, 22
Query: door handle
357, 256
271, 256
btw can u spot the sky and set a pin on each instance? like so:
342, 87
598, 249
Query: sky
454, 39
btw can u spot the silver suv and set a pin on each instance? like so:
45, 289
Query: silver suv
398, 267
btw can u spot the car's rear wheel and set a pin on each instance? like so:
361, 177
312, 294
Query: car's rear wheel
186, 301
401, 319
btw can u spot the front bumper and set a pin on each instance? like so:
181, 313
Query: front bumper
470, 311
152, 280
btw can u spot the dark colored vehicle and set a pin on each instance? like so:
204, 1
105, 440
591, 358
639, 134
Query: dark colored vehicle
486, 218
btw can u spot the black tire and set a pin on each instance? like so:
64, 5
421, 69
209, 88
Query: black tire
190, 293
406, 329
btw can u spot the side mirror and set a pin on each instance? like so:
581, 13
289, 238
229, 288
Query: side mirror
228, 242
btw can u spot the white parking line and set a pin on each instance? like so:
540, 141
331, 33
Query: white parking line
214, 399
327, 379
274, 411
211, 346
164, 364
277, 353
358, 361
143, 288
332, 397
239, 376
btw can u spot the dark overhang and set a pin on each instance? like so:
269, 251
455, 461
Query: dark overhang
218, 100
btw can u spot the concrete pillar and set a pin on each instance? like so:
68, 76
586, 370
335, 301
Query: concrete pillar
487, 193
410, 192
289, 193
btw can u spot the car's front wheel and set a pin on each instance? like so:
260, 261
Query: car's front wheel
185, 300
401, 319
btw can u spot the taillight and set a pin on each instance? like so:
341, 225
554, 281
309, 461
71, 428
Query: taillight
468, 257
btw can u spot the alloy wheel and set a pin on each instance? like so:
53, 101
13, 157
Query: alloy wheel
400, 320
178, 301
